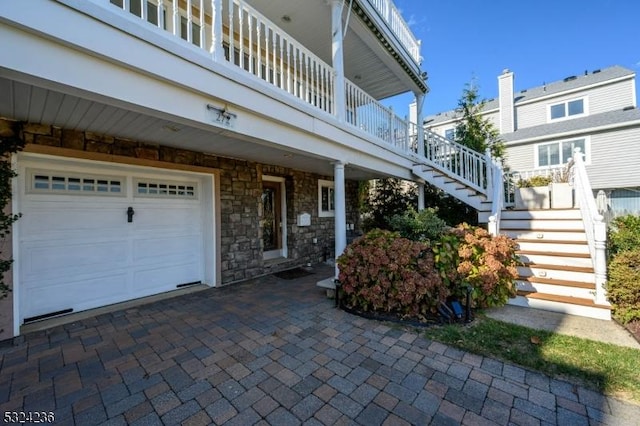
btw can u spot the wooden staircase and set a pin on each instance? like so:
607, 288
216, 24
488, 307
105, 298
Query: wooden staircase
557, 272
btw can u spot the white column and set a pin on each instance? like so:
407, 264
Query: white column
338, 58
340, 210
216, 30
420, 196
420, 124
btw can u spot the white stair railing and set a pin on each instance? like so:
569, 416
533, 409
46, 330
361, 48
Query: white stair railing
457, 161
594, 225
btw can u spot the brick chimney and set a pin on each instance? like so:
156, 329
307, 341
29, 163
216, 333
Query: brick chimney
505, 101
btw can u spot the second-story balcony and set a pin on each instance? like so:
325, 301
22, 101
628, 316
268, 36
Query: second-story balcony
289, 46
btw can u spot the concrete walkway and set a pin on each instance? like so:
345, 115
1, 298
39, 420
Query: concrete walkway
274, 351
586, 328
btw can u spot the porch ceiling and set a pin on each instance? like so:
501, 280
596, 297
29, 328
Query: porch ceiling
372, 69
31, 103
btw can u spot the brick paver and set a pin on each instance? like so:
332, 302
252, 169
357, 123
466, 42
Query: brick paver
273, 351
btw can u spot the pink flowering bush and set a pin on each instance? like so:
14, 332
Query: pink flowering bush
383, 272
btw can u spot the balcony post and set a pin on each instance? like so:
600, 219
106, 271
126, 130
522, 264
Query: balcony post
337, 56
420, 196
340, 211
216, 30
419, 124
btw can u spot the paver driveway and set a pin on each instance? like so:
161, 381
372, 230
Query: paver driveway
274, 351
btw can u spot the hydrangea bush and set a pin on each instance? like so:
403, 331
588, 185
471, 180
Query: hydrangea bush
383, 272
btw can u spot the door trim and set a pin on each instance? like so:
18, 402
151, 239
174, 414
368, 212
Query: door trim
282, 252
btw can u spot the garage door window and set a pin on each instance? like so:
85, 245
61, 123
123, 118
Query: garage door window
157, 189
50, 182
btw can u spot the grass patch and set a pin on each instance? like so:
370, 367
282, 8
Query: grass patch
613, 370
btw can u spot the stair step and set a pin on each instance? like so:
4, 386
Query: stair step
539, 224
551, 246
568, 235
554, 254
589, 309
554, 281
562, 299
547, 258
555, 288
542, 214
570, 268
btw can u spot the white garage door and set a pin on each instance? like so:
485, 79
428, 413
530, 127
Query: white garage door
93, 234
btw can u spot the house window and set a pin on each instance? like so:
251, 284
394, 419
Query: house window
567, 109
326, 198
450, 134
195, 31
558, 153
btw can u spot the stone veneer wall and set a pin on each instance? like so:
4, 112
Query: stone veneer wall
240, 197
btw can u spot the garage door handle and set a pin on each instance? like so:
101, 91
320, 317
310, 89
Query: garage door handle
130, 214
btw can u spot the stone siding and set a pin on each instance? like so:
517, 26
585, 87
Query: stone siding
240, 198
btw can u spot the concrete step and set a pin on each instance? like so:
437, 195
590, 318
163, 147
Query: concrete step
569, 305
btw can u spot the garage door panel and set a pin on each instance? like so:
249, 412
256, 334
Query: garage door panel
71, 259
148, 219
44, 218
161, 250
166, 278
59, 295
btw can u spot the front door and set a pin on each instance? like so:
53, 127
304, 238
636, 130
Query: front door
272, 219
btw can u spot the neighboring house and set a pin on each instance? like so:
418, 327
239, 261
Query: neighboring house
541, 126
178, 142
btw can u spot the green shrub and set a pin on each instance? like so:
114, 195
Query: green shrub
487, 263
534, 181
624, 234
383, 272
623, 287
418, 226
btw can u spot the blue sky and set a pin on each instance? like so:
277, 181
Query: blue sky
540, 41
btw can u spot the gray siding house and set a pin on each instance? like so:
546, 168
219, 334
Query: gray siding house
595, 111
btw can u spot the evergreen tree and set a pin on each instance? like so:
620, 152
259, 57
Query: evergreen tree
387, 198
473, 130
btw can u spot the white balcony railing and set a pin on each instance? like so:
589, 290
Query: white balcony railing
258, 46
365, 113
391, 15
234, 32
